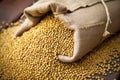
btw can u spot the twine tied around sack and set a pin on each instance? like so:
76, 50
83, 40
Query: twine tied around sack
106, 32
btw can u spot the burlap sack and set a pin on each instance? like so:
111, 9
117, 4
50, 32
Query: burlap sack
90, 20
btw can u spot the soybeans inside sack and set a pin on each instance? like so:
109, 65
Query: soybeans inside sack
91, 24
34, 54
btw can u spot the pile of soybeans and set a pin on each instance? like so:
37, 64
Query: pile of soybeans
33, 56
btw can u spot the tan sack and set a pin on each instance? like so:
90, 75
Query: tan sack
92, 21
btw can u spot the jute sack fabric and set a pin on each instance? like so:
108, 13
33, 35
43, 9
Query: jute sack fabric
92, 21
